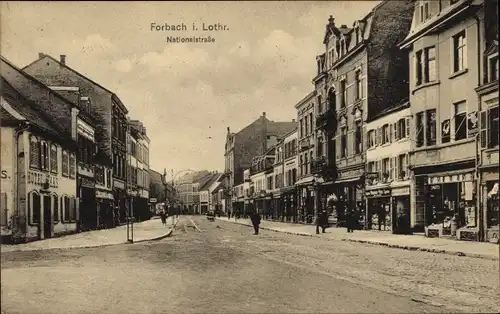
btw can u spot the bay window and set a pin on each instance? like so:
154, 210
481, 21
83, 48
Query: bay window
425, 64
385, 134
493, 68
385, 168
44, 155
419, 129
72, 165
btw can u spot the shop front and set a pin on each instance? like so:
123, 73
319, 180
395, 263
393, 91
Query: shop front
88, 210
120, 202
288, 201
490, 207
401, 209
450, 205
104, 204
379, 209
349, 190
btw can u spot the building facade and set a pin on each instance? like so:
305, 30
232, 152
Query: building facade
305, 152
109, 114
38, 191
387, 176
444, 106
288, 196
488, 165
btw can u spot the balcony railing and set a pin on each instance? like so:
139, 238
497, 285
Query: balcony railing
327, 120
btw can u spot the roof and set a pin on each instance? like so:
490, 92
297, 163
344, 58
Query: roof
30, 111
305, 99
280, 128
155, 176
115, 97
211, 180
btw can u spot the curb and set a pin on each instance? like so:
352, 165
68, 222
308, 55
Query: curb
166, 235
273, 230
415, 248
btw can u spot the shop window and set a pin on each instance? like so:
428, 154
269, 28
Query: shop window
55, 204
65, 163
343, 142
489, 128
53, 158
459, 52
34, 207
34, 152
493, 212
3, 208
460, 119
431, 127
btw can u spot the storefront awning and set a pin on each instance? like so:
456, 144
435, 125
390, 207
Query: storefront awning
348, 180
308, 180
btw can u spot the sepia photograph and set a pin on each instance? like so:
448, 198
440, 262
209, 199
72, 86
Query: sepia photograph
249, 157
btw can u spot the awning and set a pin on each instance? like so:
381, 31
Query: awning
348, 180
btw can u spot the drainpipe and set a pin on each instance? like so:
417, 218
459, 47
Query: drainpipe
20, 225
478, 157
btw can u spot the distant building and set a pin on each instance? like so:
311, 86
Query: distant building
187, 190
207, 185
253, 140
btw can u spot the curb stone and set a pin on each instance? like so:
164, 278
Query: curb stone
166, 235
413, 248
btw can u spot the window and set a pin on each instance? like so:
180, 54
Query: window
343, 93
65, 163
306, 164
371, 138
34, 207
358, 141
99, 175
419, 66
385, 134
493, 68
320, 105
489, 128
459, 52
53, 158
385, 168
431, 127
310, 122
301, 128
401, 129
55, 204
430, 65
343, 142
371, 166
301, 165
3, 207
460, 119
359, 85
424, 12
72, 165
420, 129
306, 128
34, 152
44, 155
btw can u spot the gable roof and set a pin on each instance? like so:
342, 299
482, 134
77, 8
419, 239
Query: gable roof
113, 95
209, 181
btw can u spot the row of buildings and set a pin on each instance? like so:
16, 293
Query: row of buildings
71, 158
401, 125
193, 191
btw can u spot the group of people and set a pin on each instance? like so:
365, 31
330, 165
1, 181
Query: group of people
170, 212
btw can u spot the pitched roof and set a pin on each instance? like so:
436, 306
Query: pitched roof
155, 176
280, 128
27, 109
209, 181
79, 74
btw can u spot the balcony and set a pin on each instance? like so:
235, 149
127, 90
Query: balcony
305, 143
327, 121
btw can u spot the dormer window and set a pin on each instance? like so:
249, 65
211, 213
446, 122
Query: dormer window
424, 11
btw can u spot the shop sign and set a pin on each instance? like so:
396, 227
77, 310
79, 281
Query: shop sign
38, 178
450, 178
105, 195
379, 192
118, 184
371, 175
401, 191
350, 174
86, 183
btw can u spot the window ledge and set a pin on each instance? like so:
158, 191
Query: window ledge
458, 73
425, 85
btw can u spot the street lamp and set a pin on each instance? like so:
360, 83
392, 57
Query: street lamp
315, 185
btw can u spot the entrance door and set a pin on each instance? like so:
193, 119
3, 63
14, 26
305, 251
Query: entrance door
47, 217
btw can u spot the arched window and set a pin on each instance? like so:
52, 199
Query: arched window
53, 158
55, 205
34, 207
34, 152
65, 163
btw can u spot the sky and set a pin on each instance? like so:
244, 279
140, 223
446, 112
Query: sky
185, 94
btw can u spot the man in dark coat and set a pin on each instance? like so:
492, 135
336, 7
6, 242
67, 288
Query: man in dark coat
255, 218
350, 218
321, 221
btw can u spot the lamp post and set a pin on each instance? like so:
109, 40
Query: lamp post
315, 185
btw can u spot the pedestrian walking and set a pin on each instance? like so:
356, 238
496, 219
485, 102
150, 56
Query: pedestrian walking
321, 221
350, 220
163, 217
255, 218
228, 214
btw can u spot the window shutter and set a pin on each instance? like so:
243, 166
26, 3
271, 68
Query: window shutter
380, 135
391, 168
407, 165
365, 140
76, 208
407, 124
396, 168
483, 124
380, 170
395, 131
376, 136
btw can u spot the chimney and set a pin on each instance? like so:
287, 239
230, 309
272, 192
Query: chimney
228, 130
293, 120
63, 59
264, 114
41, 55
343, 26
331, 21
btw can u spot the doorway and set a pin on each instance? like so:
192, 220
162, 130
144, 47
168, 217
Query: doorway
47, 217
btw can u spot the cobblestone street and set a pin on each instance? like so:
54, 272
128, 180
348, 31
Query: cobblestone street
221, 267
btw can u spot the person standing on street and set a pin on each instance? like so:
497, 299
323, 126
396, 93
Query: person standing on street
255, 218
350, 220
163, 217
321, 221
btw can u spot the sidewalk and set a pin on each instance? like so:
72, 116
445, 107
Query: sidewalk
408, 242
143, 231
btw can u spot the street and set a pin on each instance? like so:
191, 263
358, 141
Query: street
221, 267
